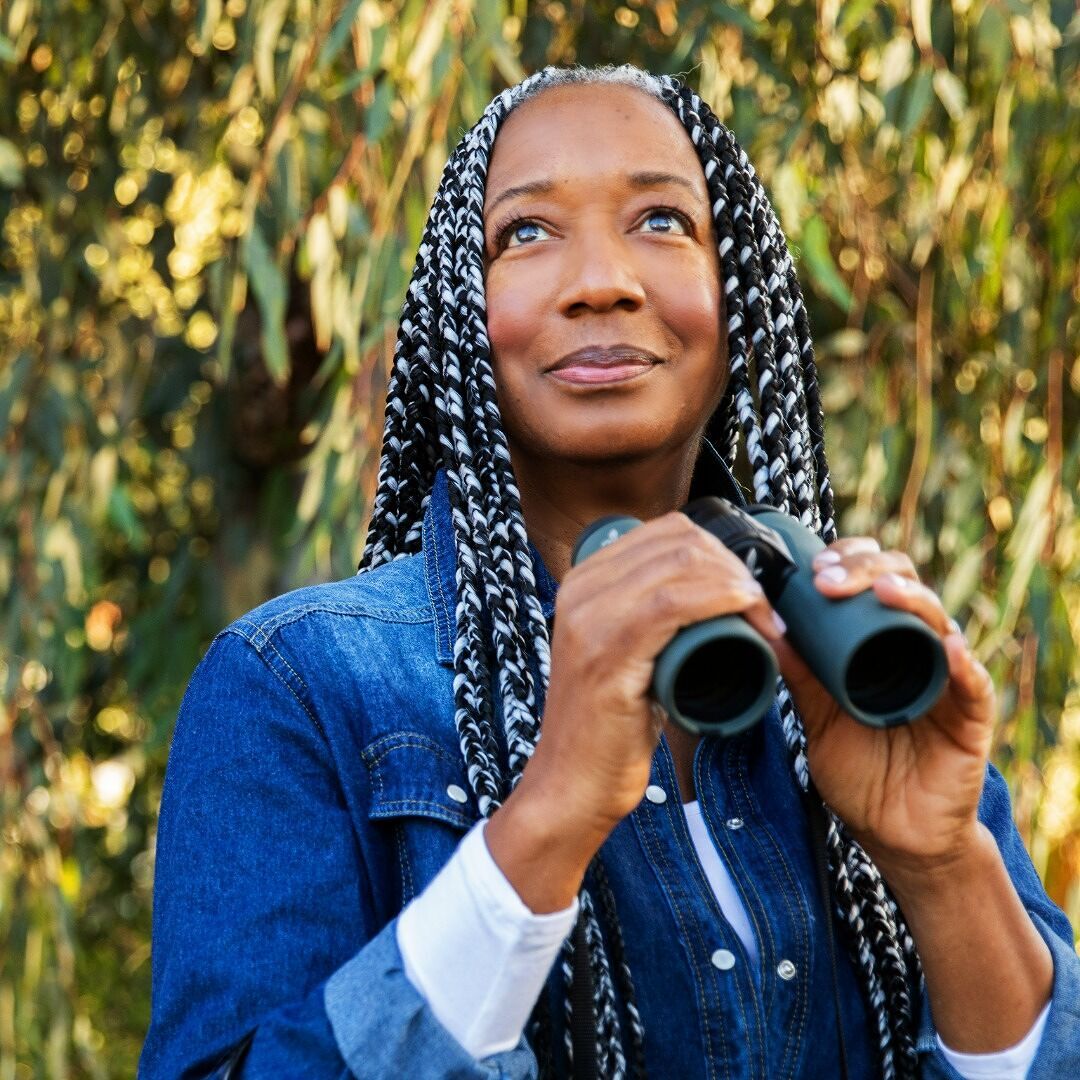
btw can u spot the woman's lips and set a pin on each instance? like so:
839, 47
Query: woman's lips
595, 364
597, 373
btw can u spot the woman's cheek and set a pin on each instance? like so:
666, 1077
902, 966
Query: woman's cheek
511, 324
695, 308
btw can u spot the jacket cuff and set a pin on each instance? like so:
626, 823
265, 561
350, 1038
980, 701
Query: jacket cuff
385, 1028
1059, 1049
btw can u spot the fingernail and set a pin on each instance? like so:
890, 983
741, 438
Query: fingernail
779, 623
898, 581
826, 558
833, 574
954, 627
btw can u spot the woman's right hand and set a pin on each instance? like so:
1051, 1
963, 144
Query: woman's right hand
615, 612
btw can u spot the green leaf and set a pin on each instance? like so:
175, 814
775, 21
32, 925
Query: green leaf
124, 519
992, 44
819, 262
855, 13
339, 35
271, 293
919, 95
346, 86
377, 119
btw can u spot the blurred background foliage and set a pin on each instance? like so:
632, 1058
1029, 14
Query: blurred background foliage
210, 210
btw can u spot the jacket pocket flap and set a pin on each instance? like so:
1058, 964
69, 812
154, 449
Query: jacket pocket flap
411, 774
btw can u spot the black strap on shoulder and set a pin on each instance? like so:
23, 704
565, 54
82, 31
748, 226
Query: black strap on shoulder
582, 1008
819, 831
230, 1067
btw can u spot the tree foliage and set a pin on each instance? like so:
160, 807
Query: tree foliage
210, 210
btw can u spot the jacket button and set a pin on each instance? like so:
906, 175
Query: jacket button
734, 823
723, 959
786, 970
457, 793
655, 794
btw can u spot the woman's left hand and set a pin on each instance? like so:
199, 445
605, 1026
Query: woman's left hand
908, 794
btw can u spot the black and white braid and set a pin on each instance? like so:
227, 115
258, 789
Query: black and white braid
441, 411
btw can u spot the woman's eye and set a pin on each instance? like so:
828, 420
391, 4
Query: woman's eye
522, 231
669, 221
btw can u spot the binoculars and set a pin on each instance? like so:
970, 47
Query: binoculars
718, 677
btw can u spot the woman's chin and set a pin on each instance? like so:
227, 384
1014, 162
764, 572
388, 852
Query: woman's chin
609, 448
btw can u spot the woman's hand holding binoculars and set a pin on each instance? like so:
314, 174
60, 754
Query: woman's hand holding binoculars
909, 793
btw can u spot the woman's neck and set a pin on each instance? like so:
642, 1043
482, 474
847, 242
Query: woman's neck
559, 499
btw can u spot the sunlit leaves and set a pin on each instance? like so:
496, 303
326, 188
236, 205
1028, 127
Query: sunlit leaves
209, 213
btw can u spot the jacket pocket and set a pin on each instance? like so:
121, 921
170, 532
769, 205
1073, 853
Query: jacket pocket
413, 774
421, 801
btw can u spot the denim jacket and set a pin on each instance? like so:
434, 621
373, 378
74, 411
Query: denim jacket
314, 786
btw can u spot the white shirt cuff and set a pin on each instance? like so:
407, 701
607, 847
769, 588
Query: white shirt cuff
475, 952
1010, 1064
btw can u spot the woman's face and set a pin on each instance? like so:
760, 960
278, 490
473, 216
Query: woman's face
598, 233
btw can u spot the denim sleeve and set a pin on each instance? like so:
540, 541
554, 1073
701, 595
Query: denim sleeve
266, 958
1059, 1050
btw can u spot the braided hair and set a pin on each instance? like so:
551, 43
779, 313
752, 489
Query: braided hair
441, 412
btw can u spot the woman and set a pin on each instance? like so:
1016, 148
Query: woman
369, 861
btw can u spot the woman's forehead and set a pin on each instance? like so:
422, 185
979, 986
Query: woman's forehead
590, 133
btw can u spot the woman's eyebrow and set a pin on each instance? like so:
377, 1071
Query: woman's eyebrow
636, 179
656, 179
536, 187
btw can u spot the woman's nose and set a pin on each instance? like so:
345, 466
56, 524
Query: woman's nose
600, 274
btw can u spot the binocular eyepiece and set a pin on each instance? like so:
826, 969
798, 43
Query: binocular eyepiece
718, 677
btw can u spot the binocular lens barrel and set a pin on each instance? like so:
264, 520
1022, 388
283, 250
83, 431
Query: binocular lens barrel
890, 671
718, 679
723, 686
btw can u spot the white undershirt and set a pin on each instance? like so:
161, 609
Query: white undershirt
720, 880
480, 957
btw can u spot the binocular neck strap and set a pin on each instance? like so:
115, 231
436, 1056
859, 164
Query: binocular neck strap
582, 1008
819, 832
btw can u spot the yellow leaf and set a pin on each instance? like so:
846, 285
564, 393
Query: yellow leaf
70, 880
267, 34
896, 62
920, 24
950, 90
61, 545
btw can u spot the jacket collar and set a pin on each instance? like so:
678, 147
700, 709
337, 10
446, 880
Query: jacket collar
711, 477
